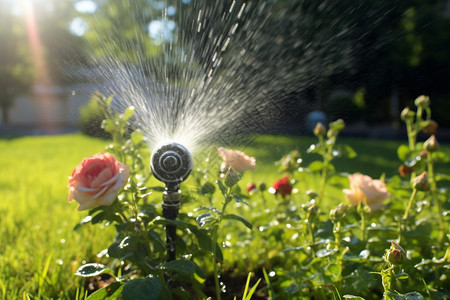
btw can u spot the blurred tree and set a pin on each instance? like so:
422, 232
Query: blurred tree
15, 63
46, 25
120, 29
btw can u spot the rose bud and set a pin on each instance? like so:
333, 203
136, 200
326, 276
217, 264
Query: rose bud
231, 178
422, 101
430, 127
251, 188
404, 170
396, 255
313, 209
420, 183
431, 145
311, 194
422, 155
336, 214
319, 130
262, 186
208, 188
407, 114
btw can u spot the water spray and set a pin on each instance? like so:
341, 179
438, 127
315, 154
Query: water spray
171, 163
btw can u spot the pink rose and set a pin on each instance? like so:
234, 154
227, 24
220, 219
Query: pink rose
238, 160
97, 180
367, 190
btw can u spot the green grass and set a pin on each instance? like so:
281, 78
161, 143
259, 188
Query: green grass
40, 251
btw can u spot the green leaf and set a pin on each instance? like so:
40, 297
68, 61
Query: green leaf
403, 152
353, 297
346, 151
92, 269
111, 292
206, 218
401, 275
146, 288
187, 267
137, 137
407, 296
238, 218
222, 188
315, 166
128, 113
441, 176
237, 199
109, 126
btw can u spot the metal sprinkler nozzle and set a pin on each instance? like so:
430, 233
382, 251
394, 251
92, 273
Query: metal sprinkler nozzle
171, 163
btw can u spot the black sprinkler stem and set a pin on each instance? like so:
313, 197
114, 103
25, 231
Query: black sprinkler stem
171, 163
171, 206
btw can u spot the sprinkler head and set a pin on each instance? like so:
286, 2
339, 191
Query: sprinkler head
171, 163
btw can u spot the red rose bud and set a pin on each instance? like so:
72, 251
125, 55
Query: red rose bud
251, 188
283, 187
404, 170
420, 183
430, 127
396, 254
431, 145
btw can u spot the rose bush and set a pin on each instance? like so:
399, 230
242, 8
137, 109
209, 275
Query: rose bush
364, 189
97, 180
237, 160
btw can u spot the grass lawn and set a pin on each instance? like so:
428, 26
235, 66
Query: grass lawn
40, 251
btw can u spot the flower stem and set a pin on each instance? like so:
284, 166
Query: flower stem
215, 236
405, 216
433, 188
408, 208
363, 223
337, 234
327, 156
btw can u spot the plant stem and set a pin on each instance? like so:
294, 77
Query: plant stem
408, 208
433, 188
215, 235
337, 234
327, 156
405, 216
363, 223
